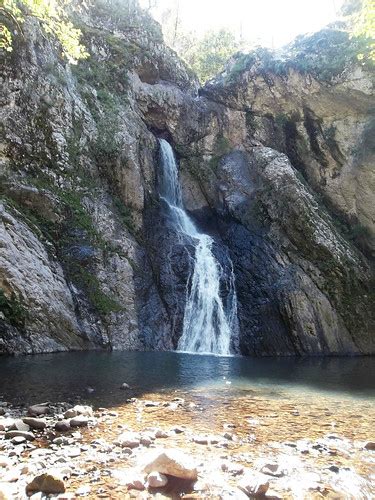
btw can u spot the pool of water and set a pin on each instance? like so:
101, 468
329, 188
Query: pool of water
96, 377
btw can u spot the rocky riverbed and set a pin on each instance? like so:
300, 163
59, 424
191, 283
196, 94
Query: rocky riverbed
203, 444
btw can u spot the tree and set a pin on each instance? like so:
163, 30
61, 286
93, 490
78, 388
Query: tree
360, 15
53, 18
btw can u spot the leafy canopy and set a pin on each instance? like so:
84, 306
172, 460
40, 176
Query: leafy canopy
53, 17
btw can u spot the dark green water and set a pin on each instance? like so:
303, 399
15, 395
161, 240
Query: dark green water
67, 376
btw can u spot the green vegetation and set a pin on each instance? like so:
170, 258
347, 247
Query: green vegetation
53, 18
87, 281
12, 309
208, 55
324, 54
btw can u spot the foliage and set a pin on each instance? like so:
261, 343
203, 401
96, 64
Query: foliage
53, 17
13, 310
360, 15
324, 54
209, 54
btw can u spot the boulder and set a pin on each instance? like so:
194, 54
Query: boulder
172, 462
46, 483
79, 421
39, 409
27, 435
62, 426
35, 423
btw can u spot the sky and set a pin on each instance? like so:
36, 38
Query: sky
270, 23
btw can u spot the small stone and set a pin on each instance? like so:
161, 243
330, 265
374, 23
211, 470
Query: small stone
128, 440
18, 440
62, 426
129, 478
40, 409
205, 439
161, 434
125, 386
35, 423
370, 445
334, 468
70, 413
46, 483
79, 421
156, 480
272, 469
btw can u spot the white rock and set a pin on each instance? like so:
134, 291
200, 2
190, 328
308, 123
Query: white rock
254, 484
128, 440
156, 480
172, 462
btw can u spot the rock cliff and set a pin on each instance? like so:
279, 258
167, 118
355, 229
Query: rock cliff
278, 168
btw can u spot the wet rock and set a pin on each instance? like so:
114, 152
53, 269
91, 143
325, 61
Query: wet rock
156, 480
254, 485
27, 435
128, 440
46, 483
62, 426
171, 462
35, 423
39, 409
79, 421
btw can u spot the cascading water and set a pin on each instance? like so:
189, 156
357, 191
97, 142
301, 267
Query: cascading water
209, 324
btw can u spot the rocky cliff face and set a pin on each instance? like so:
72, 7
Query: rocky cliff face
279, 169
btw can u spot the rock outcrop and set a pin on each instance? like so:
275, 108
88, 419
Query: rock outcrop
277, 168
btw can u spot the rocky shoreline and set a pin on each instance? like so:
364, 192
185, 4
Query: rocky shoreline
160, 448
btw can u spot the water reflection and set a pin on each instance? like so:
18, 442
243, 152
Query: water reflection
64, 376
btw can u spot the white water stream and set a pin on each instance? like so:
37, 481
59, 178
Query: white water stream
209, 324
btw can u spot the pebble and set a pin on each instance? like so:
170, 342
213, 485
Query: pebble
370, 445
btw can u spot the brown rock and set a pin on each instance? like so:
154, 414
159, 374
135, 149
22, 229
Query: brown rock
46, 483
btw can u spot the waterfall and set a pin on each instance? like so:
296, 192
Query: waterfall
209, 323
